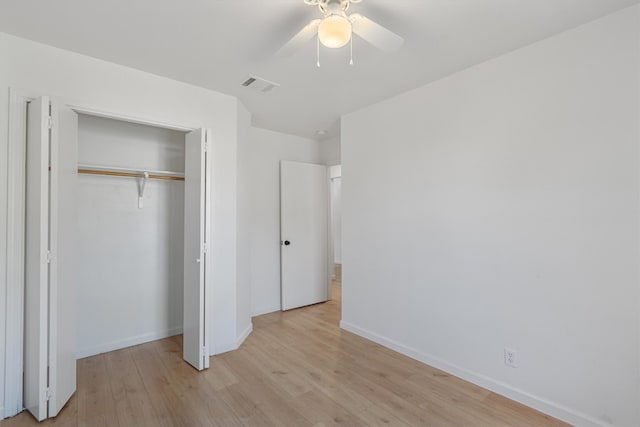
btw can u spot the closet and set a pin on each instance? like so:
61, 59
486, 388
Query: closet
117, 220
129, 234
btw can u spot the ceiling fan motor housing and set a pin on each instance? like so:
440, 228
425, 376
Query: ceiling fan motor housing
331, 7
334, 6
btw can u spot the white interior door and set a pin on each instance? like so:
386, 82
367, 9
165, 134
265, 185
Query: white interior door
49, 339
62, 282
36, 316
304, 211
196, 231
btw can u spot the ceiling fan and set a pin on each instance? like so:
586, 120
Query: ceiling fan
336, 29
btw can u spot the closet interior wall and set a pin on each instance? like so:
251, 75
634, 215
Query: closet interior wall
130, 258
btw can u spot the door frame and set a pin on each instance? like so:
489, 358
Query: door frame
335, 171
15, 260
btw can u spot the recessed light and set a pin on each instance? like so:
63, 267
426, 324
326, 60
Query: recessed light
322, 132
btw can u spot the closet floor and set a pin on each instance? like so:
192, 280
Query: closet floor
296, 369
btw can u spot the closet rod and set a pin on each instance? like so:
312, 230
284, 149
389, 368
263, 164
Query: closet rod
132, 173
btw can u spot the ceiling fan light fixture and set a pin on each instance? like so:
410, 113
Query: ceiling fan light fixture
334, 31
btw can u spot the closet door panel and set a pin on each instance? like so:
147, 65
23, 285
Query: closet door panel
195, 230
36, 259
62, 336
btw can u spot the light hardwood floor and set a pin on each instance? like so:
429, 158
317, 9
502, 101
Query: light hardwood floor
296, 369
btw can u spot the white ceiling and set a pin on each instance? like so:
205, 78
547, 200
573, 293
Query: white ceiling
217, 43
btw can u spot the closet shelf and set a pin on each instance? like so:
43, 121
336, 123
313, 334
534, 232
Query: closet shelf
133, 173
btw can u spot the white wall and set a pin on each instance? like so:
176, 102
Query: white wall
267, 149
499, 208
330, 151
243, 322
4, 129
107, 86
129, 260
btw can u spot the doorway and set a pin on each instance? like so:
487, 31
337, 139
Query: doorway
311, 233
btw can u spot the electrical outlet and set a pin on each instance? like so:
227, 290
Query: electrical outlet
510, 357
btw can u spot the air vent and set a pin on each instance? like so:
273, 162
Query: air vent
259, 84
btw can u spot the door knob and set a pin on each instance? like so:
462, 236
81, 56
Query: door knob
287, 243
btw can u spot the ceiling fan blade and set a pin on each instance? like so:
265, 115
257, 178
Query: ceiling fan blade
300, 39
375, 34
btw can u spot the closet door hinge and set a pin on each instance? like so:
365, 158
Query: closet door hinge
205, 248
206, 146
48, 394
50, 122
205, 352
49, 257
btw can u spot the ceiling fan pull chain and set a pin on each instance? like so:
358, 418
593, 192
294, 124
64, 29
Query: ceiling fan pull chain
351, 47
318, 52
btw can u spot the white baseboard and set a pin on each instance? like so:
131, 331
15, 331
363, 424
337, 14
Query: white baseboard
243, 336
543, 405
268, 310
219, 349
127, 342
234, 345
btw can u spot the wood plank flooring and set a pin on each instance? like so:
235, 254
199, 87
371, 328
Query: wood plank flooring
296, 369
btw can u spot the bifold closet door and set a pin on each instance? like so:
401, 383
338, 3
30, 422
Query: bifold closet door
62, 283
196, 231
49, 333
36, 298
